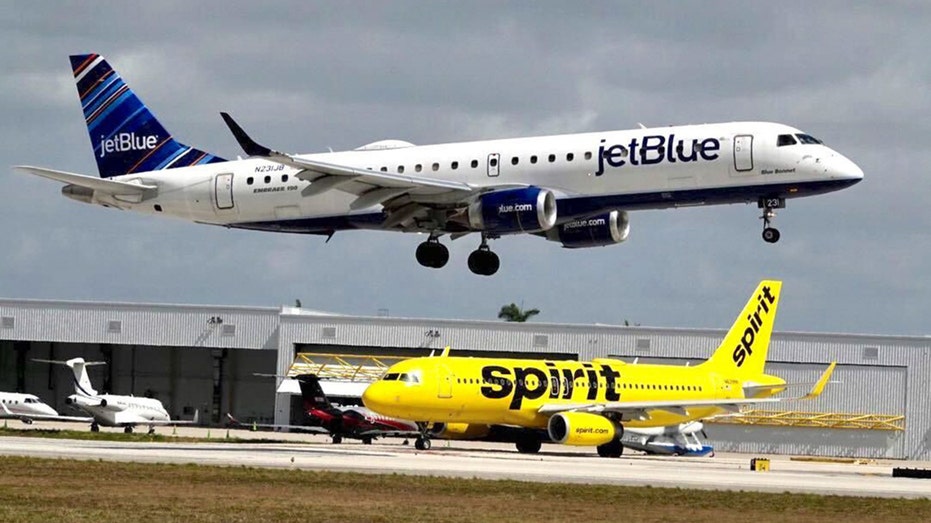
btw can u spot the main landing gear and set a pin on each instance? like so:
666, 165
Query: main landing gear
612, 449
435, 255
482, 261
432, 253
769, 206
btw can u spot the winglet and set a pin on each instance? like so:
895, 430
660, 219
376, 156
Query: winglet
822, 381
250, 146
445, 352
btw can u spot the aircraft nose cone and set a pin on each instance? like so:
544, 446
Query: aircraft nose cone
374, 397
842, 168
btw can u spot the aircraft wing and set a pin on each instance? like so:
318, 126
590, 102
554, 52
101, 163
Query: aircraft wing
299, 428
103, 185
29, 418
680, 407
403, 196
378, 433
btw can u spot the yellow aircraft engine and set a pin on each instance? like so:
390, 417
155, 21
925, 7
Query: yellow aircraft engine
582, 429
464, 431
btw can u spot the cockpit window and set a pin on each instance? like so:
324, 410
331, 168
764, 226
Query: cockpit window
808, 139
409, 378
785, 139
391, 376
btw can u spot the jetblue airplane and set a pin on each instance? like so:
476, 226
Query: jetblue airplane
575, 189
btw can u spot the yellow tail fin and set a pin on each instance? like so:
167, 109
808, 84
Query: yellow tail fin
742, 354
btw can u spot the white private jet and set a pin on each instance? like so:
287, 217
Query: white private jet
576, 189
113, 410
28, 408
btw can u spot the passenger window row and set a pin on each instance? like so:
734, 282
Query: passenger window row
267, 179
515, 160
585, 384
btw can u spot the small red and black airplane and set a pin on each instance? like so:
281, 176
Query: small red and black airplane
322, 417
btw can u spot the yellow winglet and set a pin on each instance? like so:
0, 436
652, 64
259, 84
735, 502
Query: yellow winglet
822, 381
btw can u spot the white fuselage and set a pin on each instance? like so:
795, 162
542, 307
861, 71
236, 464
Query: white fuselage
24, 404
116, 410
590, 173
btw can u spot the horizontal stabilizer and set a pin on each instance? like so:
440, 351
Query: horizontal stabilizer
91, 182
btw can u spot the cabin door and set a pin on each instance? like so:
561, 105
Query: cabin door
743, 153
446, 382
494, 164
224, 191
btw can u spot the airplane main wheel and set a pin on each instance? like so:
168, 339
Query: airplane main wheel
128, 430
771, 235
484, 262
422, 444
366, 441
432, 254
337, 440
529, 445
612, 449
95, 427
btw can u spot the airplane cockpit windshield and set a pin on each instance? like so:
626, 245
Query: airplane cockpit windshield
799, 138
403, 376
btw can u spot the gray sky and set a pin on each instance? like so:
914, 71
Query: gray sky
304, 76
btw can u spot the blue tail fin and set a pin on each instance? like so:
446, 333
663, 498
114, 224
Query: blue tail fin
126, 136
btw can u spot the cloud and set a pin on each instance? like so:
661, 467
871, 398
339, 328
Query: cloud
304, 76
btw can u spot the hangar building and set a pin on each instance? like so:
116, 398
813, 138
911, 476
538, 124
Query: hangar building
197, 357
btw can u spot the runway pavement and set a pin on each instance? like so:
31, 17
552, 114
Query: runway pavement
493, 461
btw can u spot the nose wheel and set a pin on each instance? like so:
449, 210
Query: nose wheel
432, 253
423, 440
769, 206
483, 261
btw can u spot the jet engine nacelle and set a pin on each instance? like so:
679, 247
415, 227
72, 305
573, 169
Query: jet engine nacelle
597, 231
463, 431
582, 429
528, 209
81, 401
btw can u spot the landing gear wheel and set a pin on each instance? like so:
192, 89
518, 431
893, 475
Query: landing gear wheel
432, 253
95, 427
528, 445
769, 206
422, 444
151, 430
128, 430
366, 441
484, 262
337, 439
612, 449
770, 235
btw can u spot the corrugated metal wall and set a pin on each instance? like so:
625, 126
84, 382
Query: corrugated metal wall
139, 324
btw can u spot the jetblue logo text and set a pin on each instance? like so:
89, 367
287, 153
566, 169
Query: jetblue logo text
532, 383
514, 207
123, 142
745, 347
655, 149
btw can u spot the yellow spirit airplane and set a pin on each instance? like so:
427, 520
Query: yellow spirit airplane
587, 403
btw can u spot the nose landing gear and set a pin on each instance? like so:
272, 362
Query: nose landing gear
769, 206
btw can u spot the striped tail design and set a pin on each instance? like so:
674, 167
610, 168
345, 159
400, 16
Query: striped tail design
125, 135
